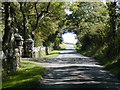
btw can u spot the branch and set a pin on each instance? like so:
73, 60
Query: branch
36, 8
41, 15
46, 11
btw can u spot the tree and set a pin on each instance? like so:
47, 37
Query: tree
9, 44
89, 22
29, 19
97, 28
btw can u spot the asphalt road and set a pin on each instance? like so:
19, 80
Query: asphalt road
73, 70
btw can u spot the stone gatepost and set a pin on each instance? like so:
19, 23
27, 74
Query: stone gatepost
18, 48
29, 47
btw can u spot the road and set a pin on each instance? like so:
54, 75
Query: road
70, 52
73, 70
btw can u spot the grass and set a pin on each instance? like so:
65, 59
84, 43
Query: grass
63, 46
27, 76
54, 53
114, 68
111, 65
51, 54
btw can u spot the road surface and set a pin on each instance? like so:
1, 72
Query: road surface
70, 52
73, 70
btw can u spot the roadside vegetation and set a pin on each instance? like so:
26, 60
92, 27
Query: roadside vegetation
51, 54
98, 32
62, 46
96, 24
28, 76
40, 21
111, 65
55, 53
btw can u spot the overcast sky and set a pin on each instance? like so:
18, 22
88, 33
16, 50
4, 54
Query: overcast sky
69, 38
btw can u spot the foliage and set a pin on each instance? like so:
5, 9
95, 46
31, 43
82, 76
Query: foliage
97, 29
63, 46
96, 25
38, 39
90, 25
25, 16
37, 20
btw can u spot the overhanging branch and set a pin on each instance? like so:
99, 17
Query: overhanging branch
40, 15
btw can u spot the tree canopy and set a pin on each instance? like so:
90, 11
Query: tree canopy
96, 24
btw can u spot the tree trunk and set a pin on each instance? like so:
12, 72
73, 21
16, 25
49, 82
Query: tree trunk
9, 46
24, 21
46, 50
7, 26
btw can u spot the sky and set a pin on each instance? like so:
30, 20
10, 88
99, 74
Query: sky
69, 38
68, 11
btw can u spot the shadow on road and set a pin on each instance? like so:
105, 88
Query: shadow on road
76, 76
73, 70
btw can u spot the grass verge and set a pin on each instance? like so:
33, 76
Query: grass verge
112, 65
27, 76
54, 53
51, 54
62, 46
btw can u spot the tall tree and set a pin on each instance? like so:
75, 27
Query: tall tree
8, 44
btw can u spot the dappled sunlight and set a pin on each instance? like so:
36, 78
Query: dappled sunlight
76, 74
44, 43
26, 76
73, 70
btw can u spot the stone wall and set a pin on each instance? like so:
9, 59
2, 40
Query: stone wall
1, 52
40, 51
